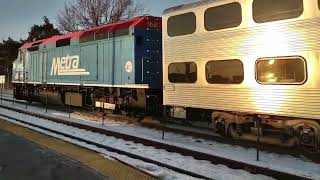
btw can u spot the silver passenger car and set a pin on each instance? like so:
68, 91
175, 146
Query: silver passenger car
244, 61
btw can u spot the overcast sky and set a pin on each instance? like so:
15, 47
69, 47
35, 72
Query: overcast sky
17, 16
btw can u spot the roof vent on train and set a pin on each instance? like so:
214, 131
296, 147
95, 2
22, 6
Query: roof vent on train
118, 29
63, 42
104, 32
34, 46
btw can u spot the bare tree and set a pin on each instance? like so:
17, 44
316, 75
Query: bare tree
85, 14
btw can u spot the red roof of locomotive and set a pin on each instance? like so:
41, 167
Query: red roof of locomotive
53, 39
142, 21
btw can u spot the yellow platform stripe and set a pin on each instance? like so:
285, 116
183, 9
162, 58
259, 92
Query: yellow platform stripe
109, 168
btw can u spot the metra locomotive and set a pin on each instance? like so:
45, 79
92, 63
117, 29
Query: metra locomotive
111, 67
238, 64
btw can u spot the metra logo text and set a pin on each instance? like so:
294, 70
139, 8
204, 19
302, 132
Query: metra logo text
67, 66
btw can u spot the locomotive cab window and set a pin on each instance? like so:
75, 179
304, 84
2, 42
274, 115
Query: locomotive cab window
183, 72
287, 70
182, 24
222, 17
224, 72
274, 10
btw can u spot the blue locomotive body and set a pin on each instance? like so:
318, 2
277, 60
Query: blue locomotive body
131, 57
121, 57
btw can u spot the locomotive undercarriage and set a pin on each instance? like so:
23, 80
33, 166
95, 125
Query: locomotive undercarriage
116, 100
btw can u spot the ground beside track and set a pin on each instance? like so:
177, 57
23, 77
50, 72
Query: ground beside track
300, 166
26, 154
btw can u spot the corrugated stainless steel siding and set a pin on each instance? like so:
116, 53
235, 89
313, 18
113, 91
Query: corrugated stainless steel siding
304, 103
300, 36
250, 41
190, 5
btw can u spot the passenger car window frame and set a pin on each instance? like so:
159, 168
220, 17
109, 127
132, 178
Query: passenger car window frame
243, 73
279, 58
183, 82
261, 22
183, 34
220, 6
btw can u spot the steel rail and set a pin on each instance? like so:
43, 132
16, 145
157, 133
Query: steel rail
282, 150
254, 169
109, 148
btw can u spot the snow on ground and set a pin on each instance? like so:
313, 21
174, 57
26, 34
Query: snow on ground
155, 170
285, 163
188, 163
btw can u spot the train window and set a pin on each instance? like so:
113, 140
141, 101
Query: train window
118, 33
273, 10
319, 4
224, 72
183, 72
86, 38
286, 70
222, 17
63, 42
182, 24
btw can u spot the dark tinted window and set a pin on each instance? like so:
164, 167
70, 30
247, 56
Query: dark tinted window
222, 17
273, 10
281, 70
319, 4
183, 72
86, 38
224, 72
182, 24
63, 42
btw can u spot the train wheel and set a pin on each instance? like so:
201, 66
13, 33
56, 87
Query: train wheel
29, 100
218, 124
307, 139
232, 131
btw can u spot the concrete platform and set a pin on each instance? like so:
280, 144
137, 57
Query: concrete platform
26, 154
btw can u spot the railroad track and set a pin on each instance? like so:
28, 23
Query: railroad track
215, 137
7, 96
108, 148
150, 143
